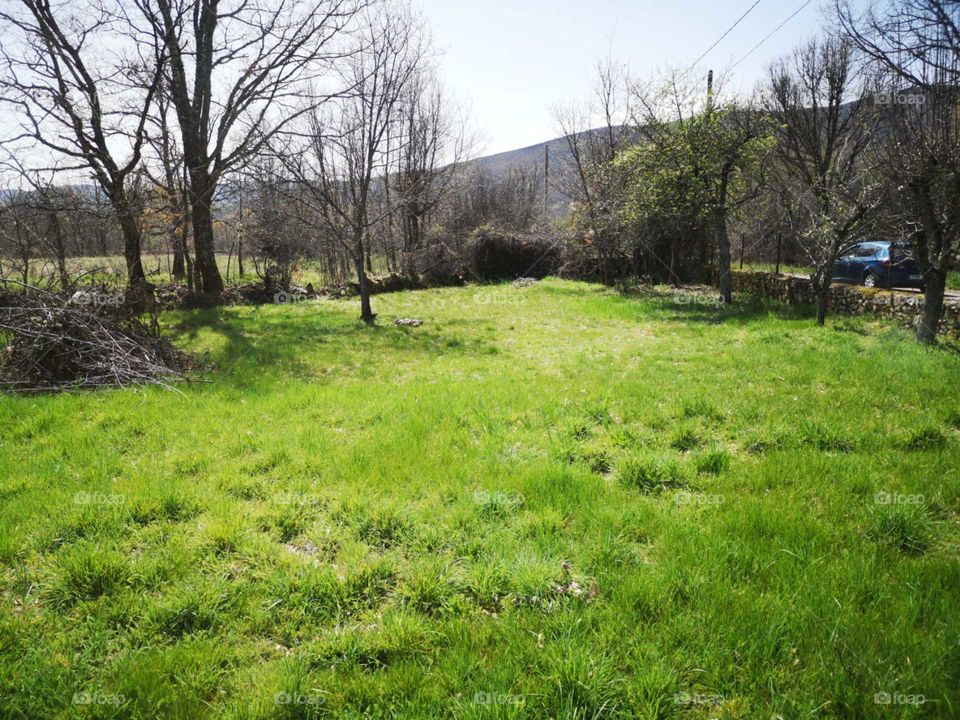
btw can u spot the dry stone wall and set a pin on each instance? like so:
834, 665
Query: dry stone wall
904, 308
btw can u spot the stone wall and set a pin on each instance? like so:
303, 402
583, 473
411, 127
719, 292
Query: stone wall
903, 307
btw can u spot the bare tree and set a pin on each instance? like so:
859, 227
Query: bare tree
915, 46
50, 205
344, 158
594, 133
60, 78
823, 127
239, 73
165, 168
433, 145
17, 238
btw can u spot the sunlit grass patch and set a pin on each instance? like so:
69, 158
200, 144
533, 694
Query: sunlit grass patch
576, 505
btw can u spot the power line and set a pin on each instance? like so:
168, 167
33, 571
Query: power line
729, 30
771, 34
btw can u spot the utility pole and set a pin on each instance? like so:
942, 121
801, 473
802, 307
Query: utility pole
546, 179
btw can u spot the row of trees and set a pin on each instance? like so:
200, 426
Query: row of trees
299, 126
317, 128
855, 133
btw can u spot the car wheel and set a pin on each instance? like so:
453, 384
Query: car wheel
870, 280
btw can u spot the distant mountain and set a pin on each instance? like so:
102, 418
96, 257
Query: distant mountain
533, 156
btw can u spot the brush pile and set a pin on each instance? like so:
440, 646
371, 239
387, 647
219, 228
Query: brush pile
49, 343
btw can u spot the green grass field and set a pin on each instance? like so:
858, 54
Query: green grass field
550, 502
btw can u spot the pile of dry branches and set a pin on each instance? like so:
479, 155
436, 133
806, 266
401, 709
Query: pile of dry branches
51, 344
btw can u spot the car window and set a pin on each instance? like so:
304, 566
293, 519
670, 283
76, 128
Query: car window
847, 251
866, 251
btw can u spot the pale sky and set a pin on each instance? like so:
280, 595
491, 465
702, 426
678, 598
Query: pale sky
510, 61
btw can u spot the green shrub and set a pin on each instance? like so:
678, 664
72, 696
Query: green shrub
498, 255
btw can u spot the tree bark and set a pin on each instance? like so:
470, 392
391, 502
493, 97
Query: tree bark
366, 311
131, 237
936, 282
822, 304
201, 191
179, 265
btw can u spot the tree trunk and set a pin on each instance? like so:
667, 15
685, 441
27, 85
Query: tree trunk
822, 304
60, 250
240, 256
131, 238
179, 265
366, 312
936, 281
205, 260
674, 264
723, 246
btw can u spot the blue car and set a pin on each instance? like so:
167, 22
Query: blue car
878, 263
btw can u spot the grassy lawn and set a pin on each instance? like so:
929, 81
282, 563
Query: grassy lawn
550, 502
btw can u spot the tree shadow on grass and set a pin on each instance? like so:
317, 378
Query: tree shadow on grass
256, 346
703, 308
